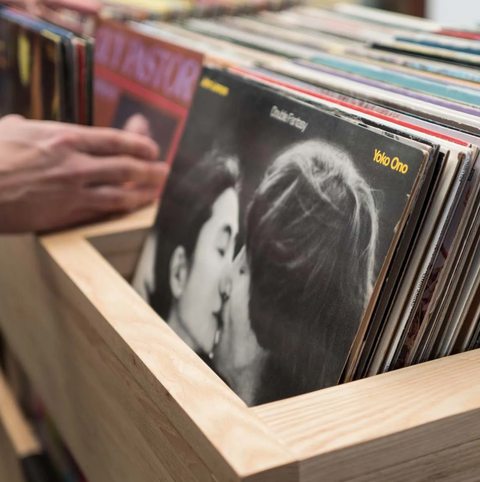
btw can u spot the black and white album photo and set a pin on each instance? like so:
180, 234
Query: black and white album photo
272, 230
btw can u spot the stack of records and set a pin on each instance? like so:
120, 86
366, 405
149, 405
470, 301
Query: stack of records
322, 216
46, 70
169, 10
46, 64
334, 235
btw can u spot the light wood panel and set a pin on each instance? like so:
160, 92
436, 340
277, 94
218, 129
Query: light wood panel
138, 220
9, 466
130, 398
397, 423
107, 421
135, 404
122, 251
16, 438
202, 408
120, 239
19, 432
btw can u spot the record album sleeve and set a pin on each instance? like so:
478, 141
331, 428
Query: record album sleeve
27, 36
140, 76
275, 224
4, 108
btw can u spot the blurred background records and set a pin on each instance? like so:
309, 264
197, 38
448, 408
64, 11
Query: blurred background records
46, 69
169, 10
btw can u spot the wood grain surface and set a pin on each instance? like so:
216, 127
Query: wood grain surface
132, 401
9, 467
16, 437
411, 424
21, 435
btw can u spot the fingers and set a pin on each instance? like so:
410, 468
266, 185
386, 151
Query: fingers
11, 119
101, 201
99, 141
29, 5
118, 199
111, 142
139, 124
121, 170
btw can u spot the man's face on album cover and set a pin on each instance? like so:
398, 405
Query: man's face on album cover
196, 287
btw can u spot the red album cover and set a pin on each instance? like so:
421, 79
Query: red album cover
141, 78
459, 34
82, 114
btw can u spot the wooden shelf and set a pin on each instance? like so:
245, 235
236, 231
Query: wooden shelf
135, 404
17, 440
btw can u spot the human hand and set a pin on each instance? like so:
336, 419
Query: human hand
55, 175
138, 124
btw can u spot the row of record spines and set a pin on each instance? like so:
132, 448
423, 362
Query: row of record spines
126, 13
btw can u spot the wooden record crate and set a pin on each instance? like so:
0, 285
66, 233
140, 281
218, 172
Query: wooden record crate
135, 404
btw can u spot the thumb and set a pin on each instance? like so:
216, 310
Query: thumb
138, 124
33, 7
